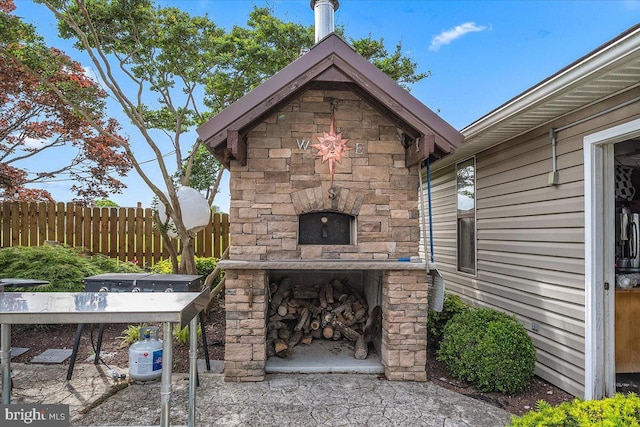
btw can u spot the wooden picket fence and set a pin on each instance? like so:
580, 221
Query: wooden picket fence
127, 234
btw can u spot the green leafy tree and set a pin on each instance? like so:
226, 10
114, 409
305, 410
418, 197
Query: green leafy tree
106, 203
36, 122
171, 72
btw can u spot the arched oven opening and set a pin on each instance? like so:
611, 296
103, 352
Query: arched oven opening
326, 228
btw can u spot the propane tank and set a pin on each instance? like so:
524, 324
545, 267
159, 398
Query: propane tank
145, 356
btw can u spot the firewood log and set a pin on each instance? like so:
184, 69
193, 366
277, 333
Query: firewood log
336, 335
323, 298
305, 292
328, 317
295, 302
345, 330
315, 310
280, 346
273, 287
356, 306
295, 338
270, 350
317, 333
350, 318
341, 308
272, 335
277, 317
327, 332
307, 322
283, 308
284, 288
361, 348
304, 316
329, 292
314, 324
306, 339
276, 325
337, 285
340, 318
284, 334
360, 314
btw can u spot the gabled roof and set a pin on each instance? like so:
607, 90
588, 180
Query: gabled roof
612, 68
332, 64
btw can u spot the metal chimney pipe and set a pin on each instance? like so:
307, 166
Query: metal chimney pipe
323, 13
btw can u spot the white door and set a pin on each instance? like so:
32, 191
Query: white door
600, 257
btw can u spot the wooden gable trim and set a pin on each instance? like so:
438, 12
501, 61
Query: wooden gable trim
272, 101
332, 61
237, 146
420, 150
405, 111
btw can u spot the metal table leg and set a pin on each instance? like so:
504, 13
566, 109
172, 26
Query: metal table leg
74, 353
205, 347
96, 360
167, 365
193, 370
5, 357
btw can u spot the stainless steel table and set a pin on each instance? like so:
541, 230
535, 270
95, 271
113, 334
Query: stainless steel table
105, 307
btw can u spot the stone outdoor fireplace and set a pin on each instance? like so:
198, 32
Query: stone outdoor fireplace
324, 160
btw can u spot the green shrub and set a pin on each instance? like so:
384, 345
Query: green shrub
436, 321
63, 267
204, 266
488, 349
130, 335
183, 335
619, 411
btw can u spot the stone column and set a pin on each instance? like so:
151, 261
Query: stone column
404, 325
245, 336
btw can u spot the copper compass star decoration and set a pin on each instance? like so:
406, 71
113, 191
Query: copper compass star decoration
331, 147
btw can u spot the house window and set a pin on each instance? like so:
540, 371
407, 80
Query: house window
466, 215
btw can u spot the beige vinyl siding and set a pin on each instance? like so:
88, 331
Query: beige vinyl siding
530, 239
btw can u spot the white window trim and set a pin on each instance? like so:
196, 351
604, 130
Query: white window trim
599, 245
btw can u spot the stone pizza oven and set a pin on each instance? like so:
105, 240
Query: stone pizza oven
324, 160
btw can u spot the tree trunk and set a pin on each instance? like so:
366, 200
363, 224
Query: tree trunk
188, 257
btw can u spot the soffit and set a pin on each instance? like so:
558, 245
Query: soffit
609, 70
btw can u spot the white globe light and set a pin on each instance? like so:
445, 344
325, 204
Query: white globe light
196, 213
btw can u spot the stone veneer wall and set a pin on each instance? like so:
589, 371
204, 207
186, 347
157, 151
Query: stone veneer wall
245, 352
404, 325
282, 180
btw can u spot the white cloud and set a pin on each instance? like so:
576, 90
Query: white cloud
450, 35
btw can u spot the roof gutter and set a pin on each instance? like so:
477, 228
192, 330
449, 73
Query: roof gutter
605, 56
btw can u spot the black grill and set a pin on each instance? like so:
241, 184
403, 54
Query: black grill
138, 282
143, 282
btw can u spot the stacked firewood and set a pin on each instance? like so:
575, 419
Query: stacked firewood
298, 314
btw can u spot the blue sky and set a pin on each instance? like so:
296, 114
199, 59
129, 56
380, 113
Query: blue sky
480, 53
